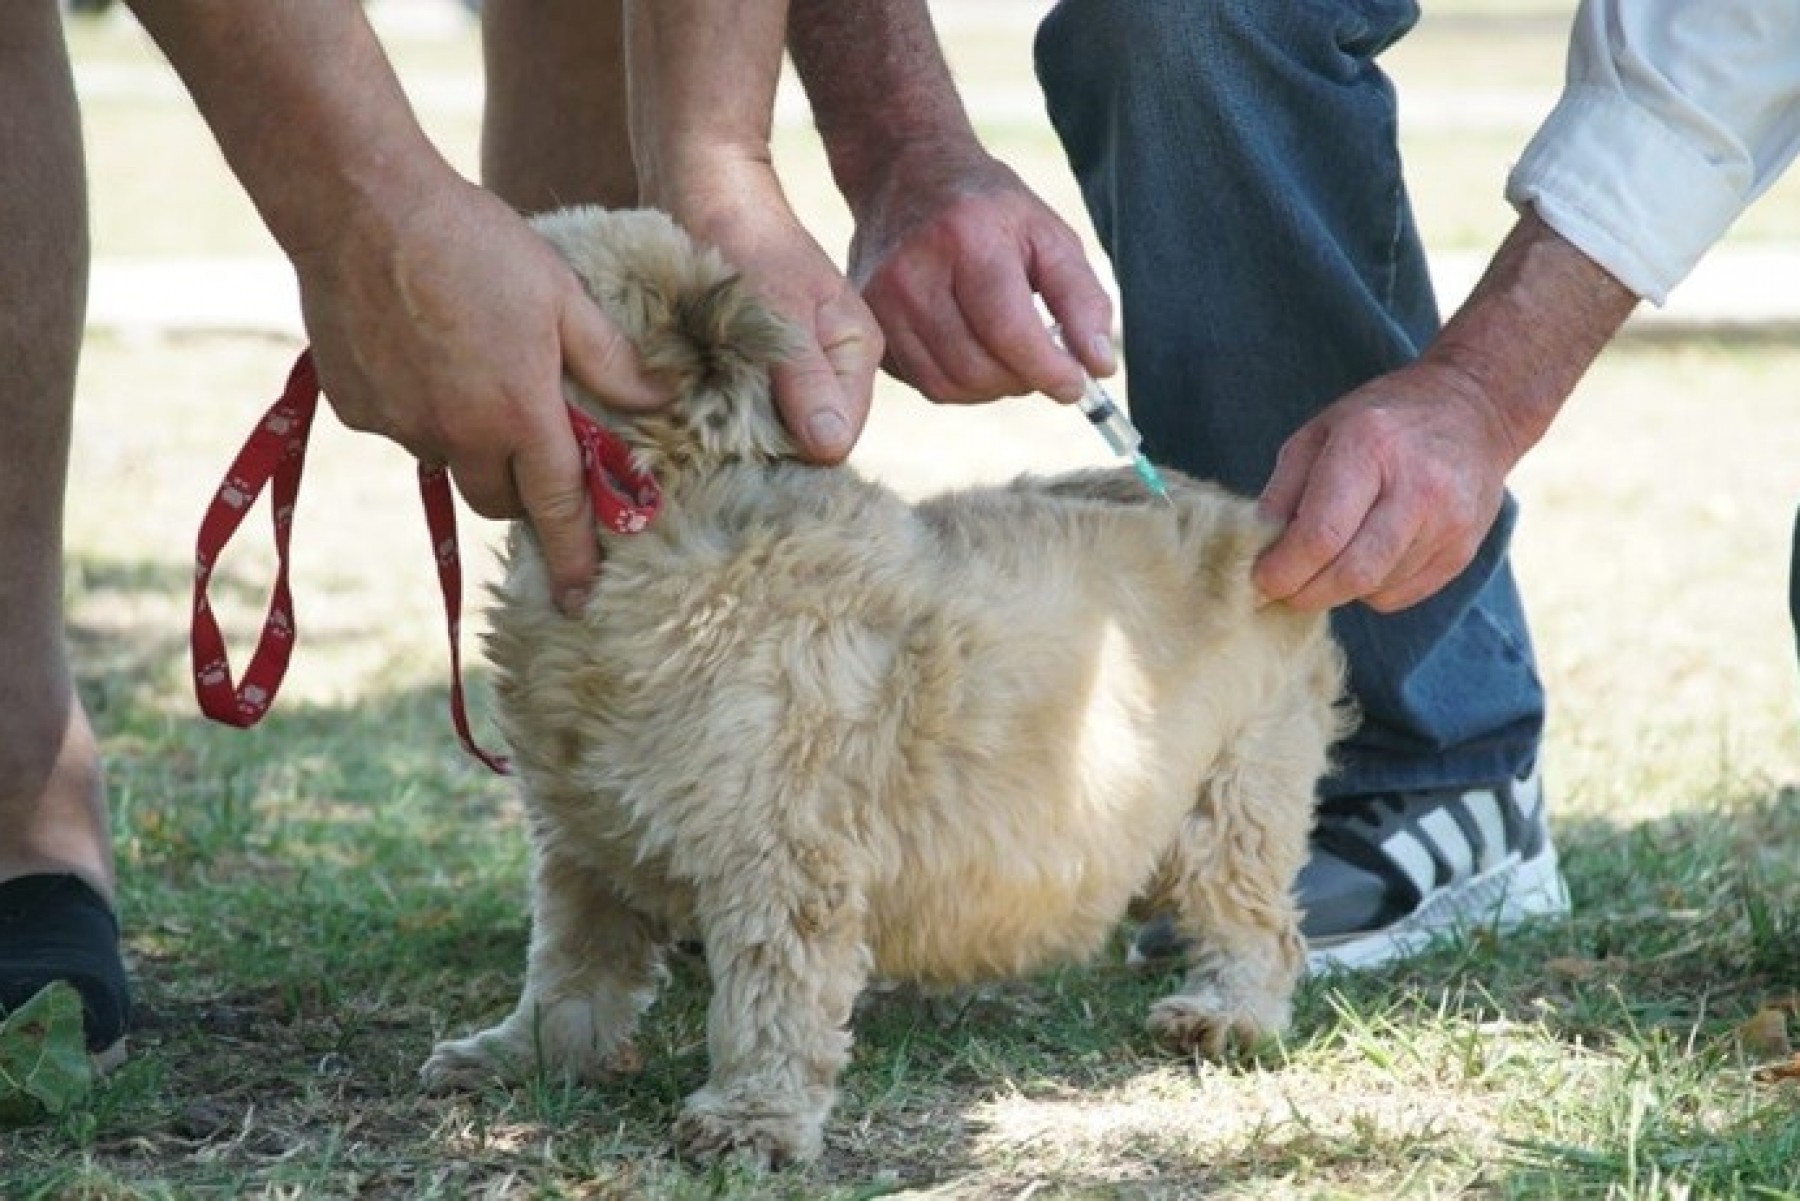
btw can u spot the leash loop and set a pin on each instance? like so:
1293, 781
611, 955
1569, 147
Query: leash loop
625, 499
275, 451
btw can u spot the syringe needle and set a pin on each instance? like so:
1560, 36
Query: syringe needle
1115, 427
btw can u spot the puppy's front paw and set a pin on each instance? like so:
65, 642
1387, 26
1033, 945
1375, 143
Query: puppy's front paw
765, 1135
568, 1038
467, 1063
1202, 1023
458, 1064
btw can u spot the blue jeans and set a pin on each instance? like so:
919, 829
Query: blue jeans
1240, 163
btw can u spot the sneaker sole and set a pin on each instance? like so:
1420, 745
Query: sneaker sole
1503, 898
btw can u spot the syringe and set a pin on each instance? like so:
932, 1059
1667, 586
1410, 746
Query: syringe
1106, 416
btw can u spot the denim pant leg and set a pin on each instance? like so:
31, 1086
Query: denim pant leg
1240, 163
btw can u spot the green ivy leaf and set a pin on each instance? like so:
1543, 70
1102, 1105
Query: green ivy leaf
44, 1063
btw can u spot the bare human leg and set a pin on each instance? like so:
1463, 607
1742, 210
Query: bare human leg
56, 869
554, 131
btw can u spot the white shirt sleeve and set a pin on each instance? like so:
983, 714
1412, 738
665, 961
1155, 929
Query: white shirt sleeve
1676, 114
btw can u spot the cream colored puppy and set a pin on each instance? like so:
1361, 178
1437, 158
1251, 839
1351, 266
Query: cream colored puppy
836, 735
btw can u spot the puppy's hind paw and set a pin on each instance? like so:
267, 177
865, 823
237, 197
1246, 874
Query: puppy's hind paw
1201, 1025
761, 1138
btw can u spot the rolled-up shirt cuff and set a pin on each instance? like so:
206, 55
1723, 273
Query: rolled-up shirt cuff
1626, 190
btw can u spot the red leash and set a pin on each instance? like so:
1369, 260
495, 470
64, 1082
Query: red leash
625, 499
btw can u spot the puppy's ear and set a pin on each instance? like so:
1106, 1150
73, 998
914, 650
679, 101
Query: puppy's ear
717, 342
695, 323
712, 334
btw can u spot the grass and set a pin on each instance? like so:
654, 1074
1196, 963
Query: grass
310, 904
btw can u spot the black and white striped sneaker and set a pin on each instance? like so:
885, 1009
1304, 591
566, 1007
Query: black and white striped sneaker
1393, 872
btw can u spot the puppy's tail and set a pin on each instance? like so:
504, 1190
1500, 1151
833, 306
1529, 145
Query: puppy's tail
1235, 535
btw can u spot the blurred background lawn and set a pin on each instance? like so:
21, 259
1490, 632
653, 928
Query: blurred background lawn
1474, 78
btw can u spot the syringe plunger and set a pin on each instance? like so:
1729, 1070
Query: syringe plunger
1113, 425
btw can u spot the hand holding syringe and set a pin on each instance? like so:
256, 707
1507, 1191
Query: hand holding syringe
1115, 427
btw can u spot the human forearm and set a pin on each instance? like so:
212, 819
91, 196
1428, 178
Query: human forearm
702, 79
305, 107
1531, 328
880, 90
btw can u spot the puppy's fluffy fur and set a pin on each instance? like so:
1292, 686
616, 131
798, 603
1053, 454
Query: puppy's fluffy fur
836, 735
